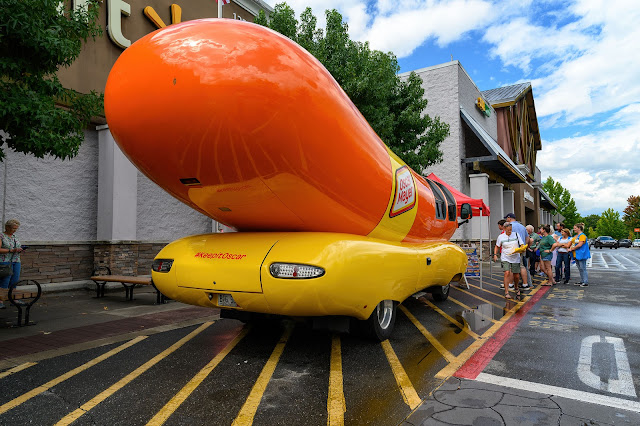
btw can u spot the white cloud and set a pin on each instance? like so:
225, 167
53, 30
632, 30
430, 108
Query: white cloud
584, 67
401, 26
601, 169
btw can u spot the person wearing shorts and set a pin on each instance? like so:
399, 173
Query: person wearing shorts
510, 261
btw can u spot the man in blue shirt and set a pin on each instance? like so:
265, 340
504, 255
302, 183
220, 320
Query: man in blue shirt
519, 229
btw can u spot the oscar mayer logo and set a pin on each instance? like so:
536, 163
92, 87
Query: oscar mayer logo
404, 198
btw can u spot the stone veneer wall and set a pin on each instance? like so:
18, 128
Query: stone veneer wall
62, 261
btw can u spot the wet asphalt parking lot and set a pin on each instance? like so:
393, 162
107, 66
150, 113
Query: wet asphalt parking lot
223, 372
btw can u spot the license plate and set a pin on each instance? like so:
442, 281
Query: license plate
226, 300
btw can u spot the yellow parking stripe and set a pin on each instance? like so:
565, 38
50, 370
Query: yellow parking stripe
450, 369
478, 297
16, 369
75, 415
248, 410
409, 394
27, 396
188, 389
434, 342
462, 327
336, 406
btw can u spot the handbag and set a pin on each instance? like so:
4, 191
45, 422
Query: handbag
7, 270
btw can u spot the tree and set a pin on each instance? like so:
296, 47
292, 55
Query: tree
393, 107
591, 221
631, 217
37, 37
562, 198
610, 224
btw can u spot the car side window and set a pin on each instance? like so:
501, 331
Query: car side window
452, 208
441, 205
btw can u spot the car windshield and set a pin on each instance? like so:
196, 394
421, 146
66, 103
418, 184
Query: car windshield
605, 238
636, 241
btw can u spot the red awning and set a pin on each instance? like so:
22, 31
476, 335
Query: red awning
476, 204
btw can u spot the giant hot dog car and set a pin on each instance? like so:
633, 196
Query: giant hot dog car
245, 126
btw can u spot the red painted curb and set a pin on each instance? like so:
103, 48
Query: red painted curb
485, 354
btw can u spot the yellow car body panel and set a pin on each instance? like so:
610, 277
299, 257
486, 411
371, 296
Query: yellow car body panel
360, 272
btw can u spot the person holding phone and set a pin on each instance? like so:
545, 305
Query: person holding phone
10, 254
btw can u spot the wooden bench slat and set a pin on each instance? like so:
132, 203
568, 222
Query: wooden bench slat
123, 279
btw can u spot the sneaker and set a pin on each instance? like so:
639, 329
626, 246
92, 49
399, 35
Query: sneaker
566, 282
578, 283
584, 285
501, 285
2, 306
525, 287
511, 285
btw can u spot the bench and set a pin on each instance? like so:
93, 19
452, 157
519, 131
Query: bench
128, 282
22, 299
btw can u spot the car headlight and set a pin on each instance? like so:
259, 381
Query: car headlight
162, 265
295, 271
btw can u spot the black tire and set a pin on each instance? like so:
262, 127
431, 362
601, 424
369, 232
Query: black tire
440, 294
380, 324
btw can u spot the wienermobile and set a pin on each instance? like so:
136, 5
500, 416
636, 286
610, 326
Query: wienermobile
245, 126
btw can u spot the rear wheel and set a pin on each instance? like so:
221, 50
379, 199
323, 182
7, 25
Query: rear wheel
380, 324
439, 293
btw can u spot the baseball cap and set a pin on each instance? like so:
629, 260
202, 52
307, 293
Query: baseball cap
510, 215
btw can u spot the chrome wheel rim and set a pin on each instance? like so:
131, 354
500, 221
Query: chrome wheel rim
445, 289
384, 311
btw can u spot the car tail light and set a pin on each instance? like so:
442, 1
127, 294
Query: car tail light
295, 270
162, 265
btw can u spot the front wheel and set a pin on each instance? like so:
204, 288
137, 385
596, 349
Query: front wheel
439, 293
380, 324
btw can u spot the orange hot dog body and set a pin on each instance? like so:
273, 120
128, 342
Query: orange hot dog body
245, 126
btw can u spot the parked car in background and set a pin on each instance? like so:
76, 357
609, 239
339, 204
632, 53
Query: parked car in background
624, 243
605, 241
636, 242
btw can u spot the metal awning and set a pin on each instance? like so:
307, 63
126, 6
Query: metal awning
546, 201
497, 160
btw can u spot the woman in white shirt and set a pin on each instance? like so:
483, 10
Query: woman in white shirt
564, 256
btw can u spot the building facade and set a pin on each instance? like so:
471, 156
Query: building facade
491, 150
97, 207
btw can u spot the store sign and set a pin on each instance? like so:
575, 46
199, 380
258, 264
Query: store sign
636, 230
483, 107
116, 9
527, 196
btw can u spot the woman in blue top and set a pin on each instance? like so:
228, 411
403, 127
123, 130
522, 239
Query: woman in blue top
10, 254
580, 249
564, 257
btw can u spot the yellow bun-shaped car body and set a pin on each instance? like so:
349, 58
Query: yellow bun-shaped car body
245, 126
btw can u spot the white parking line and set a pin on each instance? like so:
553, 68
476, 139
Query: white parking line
623, 385
576, 395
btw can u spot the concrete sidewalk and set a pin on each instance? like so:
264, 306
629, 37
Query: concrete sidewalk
71, 320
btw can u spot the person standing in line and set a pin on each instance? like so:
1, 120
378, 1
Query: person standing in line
510, 261
534, 241
519, 229
10, 254
546, 244
564, 257
557, 233
501, 223
580, 249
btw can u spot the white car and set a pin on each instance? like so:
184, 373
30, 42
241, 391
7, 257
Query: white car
636, 242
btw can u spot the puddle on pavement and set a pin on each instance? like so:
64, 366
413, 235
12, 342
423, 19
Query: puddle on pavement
479, 318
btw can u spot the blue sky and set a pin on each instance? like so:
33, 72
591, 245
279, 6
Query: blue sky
582, 58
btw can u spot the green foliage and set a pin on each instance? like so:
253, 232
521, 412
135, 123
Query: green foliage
610, 224
393, 107
591, 233
591, 221
36, 39
631, 215
562, 198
